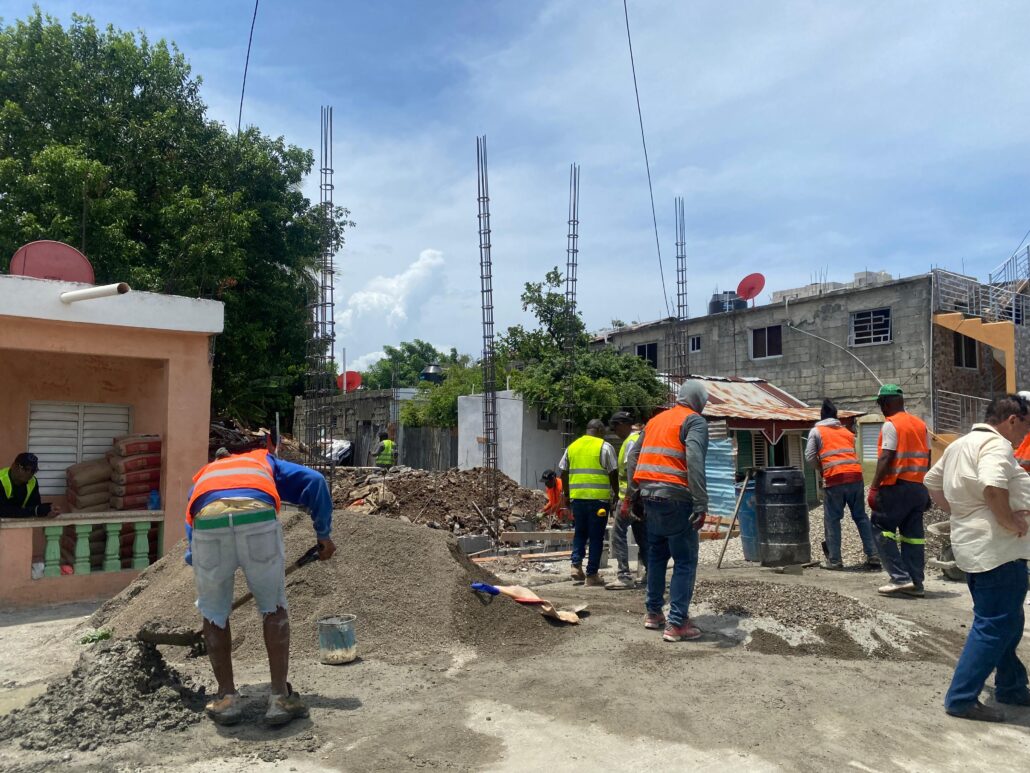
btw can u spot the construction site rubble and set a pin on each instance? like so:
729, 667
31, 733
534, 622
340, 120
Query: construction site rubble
452, 500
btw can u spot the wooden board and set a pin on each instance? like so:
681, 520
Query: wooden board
515, 537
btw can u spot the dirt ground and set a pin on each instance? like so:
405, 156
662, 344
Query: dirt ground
606, 694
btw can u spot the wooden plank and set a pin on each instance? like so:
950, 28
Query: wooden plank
539, 536
546, 556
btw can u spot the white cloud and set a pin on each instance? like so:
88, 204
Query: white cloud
366, 361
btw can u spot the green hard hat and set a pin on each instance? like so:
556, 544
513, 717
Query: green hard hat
890, 390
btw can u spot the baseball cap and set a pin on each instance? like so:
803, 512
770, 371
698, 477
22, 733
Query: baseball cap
548, 475
28, 461
890, 390
620, 417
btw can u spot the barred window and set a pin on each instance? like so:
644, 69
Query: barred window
695, 343
870, 327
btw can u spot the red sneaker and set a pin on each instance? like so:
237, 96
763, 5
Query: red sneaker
684, 632
654, 621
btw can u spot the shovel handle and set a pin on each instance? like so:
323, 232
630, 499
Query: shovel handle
307, 558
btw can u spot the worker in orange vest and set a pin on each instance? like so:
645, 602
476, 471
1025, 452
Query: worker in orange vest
1023, 451
553, 489
831, 451
897, 495
666, 470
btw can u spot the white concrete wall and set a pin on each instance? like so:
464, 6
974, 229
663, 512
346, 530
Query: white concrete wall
541, 449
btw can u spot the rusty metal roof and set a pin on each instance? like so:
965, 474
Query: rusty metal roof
755, 398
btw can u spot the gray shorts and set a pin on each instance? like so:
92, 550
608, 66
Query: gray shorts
257, 549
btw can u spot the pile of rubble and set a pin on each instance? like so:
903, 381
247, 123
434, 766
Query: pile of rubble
453, 500
236, 438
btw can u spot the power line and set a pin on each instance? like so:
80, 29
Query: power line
647, 163
246, 67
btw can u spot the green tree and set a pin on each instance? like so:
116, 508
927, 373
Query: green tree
403, 363
436, 405
105, 144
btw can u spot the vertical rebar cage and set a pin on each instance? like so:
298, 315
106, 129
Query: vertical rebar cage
320, 378
571, 278
488, 364
679, 361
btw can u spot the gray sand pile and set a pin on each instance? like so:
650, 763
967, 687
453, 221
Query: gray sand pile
408, 586
118, 691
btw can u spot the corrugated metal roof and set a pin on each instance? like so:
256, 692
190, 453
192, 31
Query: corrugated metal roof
755, 398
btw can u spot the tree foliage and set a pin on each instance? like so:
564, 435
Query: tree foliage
105, 144
436, 405
403, 363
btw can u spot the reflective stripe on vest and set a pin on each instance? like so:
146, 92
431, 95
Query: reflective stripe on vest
911, 460
8, 485
386, 455
241, 471
897, 537
587, 478
662, 457
632, 438
838, 456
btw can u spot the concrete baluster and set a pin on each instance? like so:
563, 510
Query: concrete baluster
113, 548
141, 545
82, 563
52, 551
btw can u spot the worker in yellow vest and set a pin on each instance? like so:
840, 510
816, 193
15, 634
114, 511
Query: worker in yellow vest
831, 451
590, 481
621, 424
385, 452
19, 490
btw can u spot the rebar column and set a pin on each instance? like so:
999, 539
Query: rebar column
489, 372
681, 364
570, 333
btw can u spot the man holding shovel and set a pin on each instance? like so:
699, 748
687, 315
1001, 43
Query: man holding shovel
231, 522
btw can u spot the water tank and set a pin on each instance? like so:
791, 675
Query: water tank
782, 516
725, 301
747, 518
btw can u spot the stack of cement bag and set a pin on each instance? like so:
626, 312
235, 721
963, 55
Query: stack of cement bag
88, 486
135, 470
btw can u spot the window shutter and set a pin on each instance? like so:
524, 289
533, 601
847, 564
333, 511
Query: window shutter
760, 450
870, 435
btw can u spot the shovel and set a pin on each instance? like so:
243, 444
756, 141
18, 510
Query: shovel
157, 633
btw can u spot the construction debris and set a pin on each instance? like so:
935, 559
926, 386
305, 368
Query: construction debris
452, 500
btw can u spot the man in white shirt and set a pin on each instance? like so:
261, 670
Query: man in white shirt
974, 482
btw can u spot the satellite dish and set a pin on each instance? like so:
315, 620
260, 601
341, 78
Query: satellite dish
48, 259
750, 286
348, 382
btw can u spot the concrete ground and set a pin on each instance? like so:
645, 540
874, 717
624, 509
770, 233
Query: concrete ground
611, 696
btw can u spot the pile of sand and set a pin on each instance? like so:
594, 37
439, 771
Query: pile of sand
119, 691
408, 586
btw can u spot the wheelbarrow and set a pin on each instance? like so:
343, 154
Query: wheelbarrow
946, 563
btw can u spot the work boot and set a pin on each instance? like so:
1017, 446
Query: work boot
621, 583
916, 591
284, 708
577, 572
833, 566
979, 712
1020, 699
685, 631
654, 621
594, 580
227, 710
873, 562
897, 589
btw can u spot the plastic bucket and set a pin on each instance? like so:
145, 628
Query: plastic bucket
336, 640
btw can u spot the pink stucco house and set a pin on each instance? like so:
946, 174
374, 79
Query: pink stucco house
73, 372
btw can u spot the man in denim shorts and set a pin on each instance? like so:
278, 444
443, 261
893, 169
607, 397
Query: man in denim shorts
231, 523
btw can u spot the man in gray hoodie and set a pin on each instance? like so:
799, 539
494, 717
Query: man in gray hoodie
666, 472
831, 451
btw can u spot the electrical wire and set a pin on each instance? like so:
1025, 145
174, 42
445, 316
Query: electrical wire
647, 163
246, 67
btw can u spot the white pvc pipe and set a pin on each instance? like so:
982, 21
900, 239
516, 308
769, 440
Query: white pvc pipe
120, 288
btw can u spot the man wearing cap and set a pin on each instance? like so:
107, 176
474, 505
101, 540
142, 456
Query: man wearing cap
897, 495
666, 470
231, 523
831, 451
553, 489
621, 424
19, 490
590, 479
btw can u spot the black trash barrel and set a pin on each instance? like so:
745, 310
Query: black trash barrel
782, 517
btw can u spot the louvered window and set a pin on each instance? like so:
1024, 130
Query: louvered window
761, 452
63, 434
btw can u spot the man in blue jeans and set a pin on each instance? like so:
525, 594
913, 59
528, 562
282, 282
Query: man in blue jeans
666, 468
590, 480
978, 482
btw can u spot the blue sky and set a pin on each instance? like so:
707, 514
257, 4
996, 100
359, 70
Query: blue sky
804, 136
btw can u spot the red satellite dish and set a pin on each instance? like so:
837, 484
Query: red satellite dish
349, 383
48, 259
750, 286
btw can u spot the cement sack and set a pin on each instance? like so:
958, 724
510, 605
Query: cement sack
127, 489
133, 502
130, 445
137, 476
91, 488
84, 473
136, 462
78, 501
92, 508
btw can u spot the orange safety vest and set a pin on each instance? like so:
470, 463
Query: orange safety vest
251, 470
553, 497
838, 455
1023, 454
911, 461
663, 458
